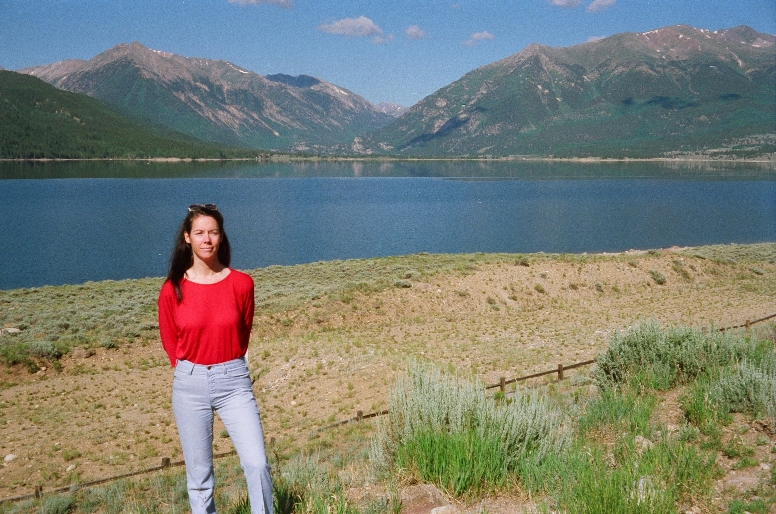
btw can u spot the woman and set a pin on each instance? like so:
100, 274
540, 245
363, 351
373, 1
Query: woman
205, 319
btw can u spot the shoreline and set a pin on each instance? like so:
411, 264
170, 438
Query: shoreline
771, 159
550, 256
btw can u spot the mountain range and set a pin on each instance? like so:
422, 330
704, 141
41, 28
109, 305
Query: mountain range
671, 91
38, 120
216, 100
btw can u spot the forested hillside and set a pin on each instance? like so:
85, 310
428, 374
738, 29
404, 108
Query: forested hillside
38, 120
215, 100
665, 93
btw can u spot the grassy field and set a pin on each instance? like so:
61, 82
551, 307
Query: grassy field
85, 386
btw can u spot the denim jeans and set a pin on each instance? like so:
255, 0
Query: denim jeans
225, 388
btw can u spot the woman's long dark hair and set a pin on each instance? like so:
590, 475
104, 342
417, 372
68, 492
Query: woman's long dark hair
182, 257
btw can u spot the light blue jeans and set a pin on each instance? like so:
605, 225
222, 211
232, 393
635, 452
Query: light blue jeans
225, 388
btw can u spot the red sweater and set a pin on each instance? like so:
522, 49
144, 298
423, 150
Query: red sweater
212, 324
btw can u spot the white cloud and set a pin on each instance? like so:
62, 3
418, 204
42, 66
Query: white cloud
356, 27
380, 40
288, 4
478, 37
600, 5
593, 39
595, 5
565, 3
415, 32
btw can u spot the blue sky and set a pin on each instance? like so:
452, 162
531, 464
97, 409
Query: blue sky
386, 51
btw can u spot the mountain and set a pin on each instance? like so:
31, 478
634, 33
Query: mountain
665, 92
38, 120
217, 100
393, 109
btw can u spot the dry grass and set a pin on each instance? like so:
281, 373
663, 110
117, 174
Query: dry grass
329, 339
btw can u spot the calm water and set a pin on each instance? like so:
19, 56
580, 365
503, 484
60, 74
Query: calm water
71, 222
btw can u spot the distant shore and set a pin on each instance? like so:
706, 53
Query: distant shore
769, 159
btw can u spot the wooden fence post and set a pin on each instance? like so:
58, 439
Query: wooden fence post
38, 491
359, 415
748, 324
503, 384
560, 371
165, 462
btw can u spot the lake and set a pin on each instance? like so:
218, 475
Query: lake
68, 223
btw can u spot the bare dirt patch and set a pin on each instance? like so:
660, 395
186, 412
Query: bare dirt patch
109, 413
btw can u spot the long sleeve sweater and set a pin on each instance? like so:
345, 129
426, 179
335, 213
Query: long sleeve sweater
211, 324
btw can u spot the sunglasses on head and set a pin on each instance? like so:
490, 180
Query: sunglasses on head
200, 207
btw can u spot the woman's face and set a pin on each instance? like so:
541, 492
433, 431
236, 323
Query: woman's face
204, 238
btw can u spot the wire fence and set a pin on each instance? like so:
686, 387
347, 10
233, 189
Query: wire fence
360, 416
39, 489
748, 323
503, 382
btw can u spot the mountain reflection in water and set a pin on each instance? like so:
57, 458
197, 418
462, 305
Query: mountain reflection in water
71, 222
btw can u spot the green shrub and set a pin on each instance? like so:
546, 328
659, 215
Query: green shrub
653, 355
678, 267
598, 489
459, 462
726, 372
60, 504
45, 350
108, 343
622, 410
14, 353
628, 477
658, 277
753, 507
302, 485
244, 507
701, 409
747, 388
444, 430
739, 387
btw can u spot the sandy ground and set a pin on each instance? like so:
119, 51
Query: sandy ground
107, 411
